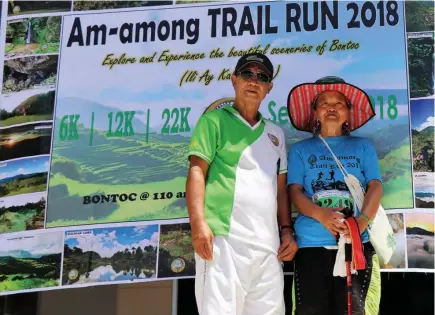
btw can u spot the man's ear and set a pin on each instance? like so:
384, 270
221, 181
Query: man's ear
233, 80
270, 87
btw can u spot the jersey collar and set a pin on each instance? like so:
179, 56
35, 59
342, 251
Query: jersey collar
233, 111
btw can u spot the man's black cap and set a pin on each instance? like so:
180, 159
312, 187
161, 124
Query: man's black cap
255, 58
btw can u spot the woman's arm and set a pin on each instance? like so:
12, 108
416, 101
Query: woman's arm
371, 203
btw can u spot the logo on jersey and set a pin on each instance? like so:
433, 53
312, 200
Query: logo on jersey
274, 139
312, 159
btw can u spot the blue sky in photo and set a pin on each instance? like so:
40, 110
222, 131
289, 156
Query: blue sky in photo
124, 235
421, 111
24, 166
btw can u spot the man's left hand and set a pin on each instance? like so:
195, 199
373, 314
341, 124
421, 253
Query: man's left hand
288, 247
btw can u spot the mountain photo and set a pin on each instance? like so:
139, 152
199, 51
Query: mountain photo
24, 176
26, 107
422, 121
110, 254
420, 240
30, 261
419, 16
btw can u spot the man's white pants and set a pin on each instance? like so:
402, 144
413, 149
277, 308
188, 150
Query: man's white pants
240, 280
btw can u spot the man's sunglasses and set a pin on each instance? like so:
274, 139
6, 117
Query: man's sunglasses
249, 75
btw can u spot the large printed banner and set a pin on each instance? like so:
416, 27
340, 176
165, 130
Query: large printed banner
97, 110
131, 87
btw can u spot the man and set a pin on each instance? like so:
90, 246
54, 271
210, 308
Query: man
237, 201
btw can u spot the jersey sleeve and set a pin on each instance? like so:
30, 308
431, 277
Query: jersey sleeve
282, 167
296, 167
370, 162
203, 142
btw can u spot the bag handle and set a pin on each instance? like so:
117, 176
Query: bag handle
347, 178
340, 166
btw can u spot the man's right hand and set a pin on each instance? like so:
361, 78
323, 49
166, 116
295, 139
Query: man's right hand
203, 239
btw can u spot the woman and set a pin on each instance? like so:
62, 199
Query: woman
331, 108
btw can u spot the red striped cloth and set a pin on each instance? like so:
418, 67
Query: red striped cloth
358, 259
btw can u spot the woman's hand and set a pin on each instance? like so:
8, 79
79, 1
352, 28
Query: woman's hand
331, 219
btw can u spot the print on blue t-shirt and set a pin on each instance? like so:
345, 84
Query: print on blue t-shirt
312, 166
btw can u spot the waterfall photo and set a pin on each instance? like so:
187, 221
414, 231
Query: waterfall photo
32, 36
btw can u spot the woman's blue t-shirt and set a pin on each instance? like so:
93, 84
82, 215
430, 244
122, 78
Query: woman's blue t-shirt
311, 165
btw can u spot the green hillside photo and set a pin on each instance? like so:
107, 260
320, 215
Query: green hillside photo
21, 217
29, 273
30, 262
423, 149
34, 108
419, 16
23, 184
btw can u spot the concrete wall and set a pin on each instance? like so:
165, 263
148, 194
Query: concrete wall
153, 298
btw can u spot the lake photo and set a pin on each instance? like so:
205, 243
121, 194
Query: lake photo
110, 254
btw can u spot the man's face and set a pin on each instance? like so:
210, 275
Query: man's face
249, 85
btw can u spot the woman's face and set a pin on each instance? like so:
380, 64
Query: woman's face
332, 108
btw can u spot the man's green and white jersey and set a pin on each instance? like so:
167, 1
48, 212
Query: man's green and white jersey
241, 186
